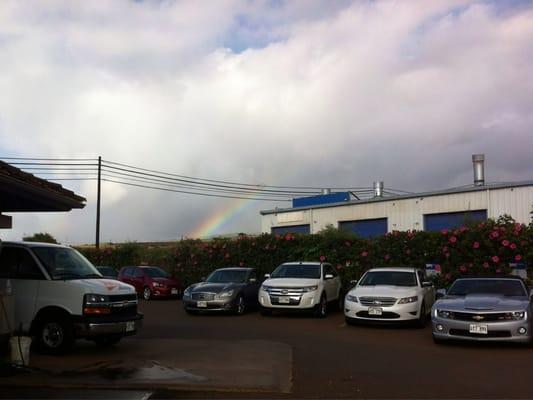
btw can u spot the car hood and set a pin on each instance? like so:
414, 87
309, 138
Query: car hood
384, 291
166, 281
291, 282
482, 303
213, 287
102, 286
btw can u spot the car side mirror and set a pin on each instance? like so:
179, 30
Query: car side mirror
353, 282
252, 280
426, 284
328, 276
440, 293
202, 279
267, 276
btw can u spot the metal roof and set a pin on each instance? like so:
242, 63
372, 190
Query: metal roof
461, 189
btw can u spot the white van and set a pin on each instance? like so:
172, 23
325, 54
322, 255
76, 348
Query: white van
60, 296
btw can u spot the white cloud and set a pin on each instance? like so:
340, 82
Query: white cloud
300, 93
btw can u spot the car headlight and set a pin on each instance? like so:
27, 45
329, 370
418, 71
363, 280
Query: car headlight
309, 289
265, 288
406, 300
517, 315
351, 298
96, 298
445, 314
187, 292
225, 295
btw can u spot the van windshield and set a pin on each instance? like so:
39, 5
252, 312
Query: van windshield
63, 263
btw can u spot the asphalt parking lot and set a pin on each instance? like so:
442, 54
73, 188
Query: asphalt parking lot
329, 358
333, 360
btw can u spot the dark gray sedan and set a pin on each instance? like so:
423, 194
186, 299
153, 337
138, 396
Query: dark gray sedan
226, 289
484, 309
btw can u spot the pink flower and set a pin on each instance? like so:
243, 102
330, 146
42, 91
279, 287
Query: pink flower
387, 256
512, 246
447, 255
364, 254
347, 244
498, 270
485, 265
494, 234
437, 268
495, 259
339, 266
445, 249
453, 239
408, 251
475, 245
448, 276
444, 231
241, 264
463, 229
322, 258
505, 243
518, 257
462, 268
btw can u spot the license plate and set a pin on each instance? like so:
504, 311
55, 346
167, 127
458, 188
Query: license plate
201, 304
130, 326
479, 329
174, 291
375, 311
284, 300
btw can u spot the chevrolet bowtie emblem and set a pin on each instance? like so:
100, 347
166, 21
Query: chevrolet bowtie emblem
478, 317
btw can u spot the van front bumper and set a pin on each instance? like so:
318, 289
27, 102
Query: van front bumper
85, 327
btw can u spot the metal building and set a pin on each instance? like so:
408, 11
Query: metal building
428, 211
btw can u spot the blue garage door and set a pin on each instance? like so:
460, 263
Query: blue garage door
437, 222
280, 230
365, 227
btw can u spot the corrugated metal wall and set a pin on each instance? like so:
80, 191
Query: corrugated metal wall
407, 214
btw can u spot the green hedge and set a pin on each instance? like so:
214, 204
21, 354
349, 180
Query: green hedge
483, 248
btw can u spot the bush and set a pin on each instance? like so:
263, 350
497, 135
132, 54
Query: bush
477, 248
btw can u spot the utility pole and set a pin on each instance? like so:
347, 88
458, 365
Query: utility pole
97, 244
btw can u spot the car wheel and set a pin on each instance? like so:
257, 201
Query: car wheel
147, 293
105, 341
422, 318
322, 307
240, 305
55, 335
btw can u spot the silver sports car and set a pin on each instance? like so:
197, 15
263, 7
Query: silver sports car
487, 309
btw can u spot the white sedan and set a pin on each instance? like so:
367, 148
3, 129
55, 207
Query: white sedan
390, 294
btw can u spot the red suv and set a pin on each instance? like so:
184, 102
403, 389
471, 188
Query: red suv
150, 281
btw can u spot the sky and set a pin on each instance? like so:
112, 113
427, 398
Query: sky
301, 93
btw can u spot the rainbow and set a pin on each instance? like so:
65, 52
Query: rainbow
213, 223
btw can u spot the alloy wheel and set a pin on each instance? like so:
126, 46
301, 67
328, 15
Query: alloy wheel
53, 335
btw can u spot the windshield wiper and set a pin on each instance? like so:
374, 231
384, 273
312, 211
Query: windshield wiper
60, 275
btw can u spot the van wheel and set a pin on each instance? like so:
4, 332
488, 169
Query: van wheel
55, 335
147, 293
321, 310
105, 341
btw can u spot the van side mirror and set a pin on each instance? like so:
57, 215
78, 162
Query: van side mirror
328, 276
440, 293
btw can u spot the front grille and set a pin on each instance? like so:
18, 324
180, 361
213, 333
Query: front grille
205, 296
480, 317
377, 301
122, 297
281, 291
384, 315
123, 304
490, 334
293, 301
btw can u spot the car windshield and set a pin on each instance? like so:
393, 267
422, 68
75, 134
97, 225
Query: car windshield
227, 276
155, 272
388, 278
501, 287
64, 263
109, 271
303, 271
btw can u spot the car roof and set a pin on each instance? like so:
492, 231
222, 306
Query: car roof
234, 269
395, 269
500, 277
33, 244
303, 262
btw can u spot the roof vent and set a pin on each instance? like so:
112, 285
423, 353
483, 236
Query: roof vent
478, 161
378, 189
